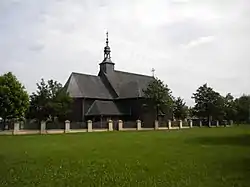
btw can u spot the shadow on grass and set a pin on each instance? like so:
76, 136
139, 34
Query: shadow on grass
237, 170
241, 140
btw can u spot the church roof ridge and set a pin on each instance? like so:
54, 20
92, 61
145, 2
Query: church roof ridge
132, 73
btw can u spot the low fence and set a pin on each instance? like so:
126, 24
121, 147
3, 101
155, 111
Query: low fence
129, 124
147, 125
163, 124
89, 126
9, 125
30, 125
175, 124
100, 125
78, 125
54, 125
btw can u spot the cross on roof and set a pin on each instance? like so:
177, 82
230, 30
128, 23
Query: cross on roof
153, 72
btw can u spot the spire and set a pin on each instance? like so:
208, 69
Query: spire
107, 66
107, 49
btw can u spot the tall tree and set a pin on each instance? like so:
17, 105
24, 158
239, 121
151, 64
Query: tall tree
243, 108
230, 109
160, 96
49, 101
208, 103
14, 100
180, 109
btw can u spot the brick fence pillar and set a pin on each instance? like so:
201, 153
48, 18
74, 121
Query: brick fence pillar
89, 123
209, 123
156, 124
16, 127
110, 125
231, 122
67, 126
43, 127
138, 124
120, 125
180, 124
169, 124
217, 123
191, 123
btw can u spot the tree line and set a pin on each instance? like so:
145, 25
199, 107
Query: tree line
51, 101
209, 104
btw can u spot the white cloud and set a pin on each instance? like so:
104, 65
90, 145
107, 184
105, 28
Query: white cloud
199, 41
187, 42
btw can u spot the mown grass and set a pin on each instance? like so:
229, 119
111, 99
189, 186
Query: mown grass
199, 157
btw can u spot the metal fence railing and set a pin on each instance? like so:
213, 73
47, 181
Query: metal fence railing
100, 125
163, 123
55, 125
78, 125
129, 124
145, 124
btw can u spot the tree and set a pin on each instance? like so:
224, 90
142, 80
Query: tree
230, 109
49, 101
208, 103
243, 108
180, 109
159, 95
14, 100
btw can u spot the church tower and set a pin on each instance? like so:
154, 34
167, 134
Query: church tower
107, 66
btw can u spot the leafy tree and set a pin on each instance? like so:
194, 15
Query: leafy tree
191, 112
230, 109
208, 103
243, 108
14, 100
160, 96
180, 109
49, 101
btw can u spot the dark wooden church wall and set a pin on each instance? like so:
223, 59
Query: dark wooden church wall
137, 108
86, 104
76, 110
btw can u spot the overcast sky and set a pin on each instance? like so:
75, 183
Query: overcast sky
187, 42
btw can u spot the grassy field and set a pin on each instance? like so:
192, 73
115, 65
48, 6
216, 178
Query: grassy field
199, 157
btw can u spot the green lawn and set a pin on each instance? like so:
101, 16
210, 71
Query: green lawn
198, 157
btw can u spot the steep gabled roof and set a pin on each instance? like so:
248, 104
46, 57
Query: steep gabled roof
103, 108
128, 85
86, 86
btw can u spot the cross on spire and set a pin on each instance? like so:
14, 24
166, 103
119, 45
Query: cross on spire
107, 49
107, 38
153, 72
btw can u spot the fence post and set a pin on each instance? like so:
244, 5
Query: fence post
156, 124
191, 123
200, 123
120, 125
110, 125
217, 123
169, 124
231, 122
16, 127
67, 126
180, 124
209, 123
43, 127
138, 123
89, 122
